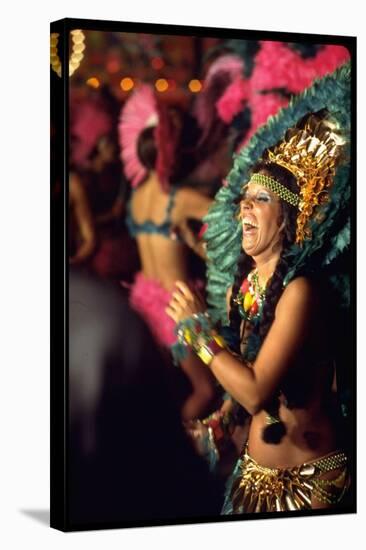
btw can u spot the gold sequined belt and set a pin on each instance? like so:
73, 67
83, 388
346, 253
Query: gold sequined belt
259, 488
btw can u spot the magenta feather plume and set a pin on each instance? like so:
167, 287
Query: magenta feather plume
139, 112
221, 74
88, 123
278, 66
233, 99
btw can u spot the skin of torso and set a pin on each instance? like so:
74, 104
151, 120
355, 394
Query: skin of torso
309, 436
310, 430
162, 259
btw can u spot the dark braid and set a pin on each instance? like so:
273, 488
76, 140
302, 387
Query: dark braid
273, 294
274, 431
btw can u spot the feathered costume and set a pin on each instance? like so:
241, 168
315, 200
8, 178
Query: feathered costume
89, 121
324, 243
271, 72
141, 111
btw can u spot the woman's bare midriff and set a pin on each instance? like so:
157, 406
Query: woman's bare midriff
310, 431
162, 259
309, 435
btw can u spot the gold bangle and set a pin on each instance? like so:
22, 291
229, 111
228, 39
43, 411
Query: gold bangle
207, 351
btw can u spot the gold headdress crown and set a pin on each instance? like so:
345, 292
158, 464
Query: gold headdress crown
310, 151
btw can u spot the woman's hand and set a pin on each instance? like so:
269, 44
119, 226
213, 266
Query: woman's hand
193, 240
184, 303
198, 434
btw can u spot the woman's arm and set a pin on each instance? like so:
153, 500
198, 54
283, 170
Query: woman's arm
84, 220
193, 240
114, 213
254, 387
190, 204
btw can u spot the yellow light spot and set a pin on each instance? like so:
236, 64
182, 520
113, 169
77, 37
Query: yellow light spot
127, 84
195, 85
93, 82
161, 85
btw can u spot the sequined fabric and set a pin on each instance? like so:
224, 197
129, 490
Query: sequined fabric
311, 153
255, 488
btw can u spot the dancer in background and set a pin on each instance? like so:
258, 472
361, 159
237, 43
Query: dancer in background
157, 217
82, 226
95, 162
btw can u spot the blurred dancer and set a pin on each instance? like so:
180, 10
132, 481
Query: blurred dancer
94, 158
157, 216
81, 230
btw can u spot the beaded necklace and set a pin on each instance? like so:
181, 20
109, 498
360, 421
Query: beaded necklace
251, 297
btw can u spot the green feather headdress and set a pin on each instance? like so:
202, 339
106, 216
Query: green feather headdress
330, 237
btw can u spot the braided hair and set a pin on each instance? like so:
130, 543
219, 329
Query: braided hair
273, 432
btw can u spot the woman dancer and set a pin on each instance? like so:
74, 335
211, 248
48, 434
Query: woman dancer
157, 214
281, 369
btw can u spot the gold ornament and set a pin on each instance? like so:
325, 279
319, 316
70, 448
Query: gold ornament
311, 152
77, 49
261, 489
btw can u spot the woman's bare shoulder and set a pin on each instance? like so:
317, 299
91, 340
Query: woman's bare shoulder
299, 294
191, 203
299, 285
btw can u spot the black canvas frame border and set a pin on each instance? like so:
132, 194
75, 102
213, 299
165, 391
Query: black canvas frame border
59, 517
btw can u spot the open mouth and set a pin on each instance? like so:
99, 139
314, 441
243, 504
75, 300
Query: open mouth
249, 226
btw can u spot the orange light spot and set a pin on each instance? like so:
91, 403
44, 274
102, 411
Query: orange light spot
195, 85
93, 82
161, 85
127, 84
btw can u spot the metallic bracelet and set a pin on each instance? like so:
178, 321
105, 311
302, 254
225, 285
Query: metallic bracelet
209, 348
197, 333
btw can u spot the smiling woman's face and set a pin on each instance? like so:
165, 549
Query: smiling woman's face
261, 217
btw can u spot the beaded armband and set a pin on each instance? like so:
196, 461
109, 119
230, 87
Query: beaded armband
197, 333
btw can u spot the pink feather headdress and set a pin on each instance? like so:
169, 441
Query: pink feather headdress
233, 99
141, 111
223, 72
88, 123
279, 67
138, 113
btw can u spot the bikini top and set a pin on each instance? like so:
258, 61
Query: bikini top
148, 226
